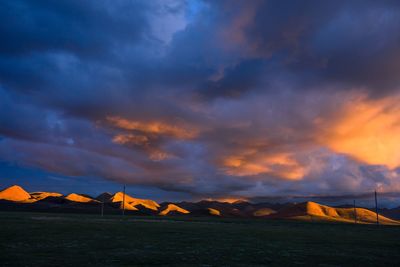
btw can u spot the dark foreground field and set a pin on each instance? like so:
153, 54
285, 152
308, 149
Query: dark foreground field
37, 239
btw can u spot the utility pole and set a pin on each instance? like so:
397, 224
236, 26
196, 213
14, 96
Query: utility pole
355, 211
123, 203
376, 209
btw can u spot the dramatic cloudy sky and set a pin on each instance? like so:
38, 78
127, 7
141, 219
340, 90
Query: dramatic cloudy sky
201, 99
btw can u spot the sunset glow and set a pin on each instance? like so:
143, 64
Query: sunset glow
281, 165
200, 133
156, 128
183, 100
369, 131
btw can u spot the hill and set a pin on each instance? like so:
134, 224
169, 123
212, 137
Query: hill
214, 212
14, 193
131, 203
173, 209
316, 212
43, 195
79, 198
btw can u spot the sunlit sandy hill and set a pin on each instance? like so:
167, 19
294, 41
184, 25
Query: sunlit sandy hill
131, 202
214, 212
172, 208
316, 212
14, 193
79, 198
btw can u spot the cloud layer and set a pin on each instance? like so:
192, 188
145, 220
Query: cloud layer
210, 98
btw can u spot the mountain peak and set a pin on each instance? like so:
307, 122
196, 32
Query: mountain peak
104, 197
14, 193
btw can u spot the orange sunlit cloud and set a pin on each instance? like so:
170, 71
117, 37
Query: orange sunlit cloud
158, 155
281, 165
154, 153
367, 130
153, 127
131, 139
149, 132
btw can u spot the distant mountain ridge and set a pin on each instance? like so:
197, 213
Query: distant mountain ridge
16, 198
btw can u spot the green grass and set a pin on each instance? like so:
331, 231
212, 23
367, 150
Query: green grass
38, 239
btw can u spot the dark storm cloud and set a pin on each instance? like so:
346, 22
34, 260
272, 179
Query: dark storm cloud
89, 29
306, 41
350, 43
236, 80
202, 97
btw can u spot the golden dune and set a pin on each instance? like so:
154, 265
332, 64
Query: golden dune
214, 212
264, 212
79, 198
317, 212
321, 210
14, 193
173, 208
365, 216
147, 203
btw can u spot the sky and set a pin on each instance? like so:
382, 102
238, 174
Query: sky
184, 100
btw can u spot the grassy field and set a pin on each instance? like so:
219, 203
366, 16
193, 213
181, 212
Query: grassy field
38, 239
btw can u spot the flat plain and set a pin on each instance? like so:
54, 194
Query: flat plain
49, 239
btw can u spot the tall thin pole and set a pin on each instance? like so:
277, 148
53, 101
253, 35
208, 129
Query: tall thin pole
123, 203
376, 209
355, 211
